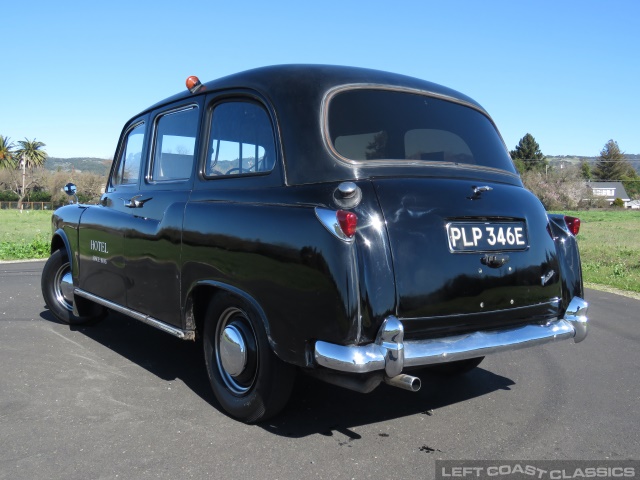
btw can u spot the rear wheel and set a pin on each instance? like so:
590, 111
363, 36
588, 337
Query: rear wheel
57, 290
454, 368
248, 379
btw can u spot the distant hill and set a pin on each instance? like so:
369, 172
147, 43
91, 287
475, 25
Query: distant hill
99, 166
555, 160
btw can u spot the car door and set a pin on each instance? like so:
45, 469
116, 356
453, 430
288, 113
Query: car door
228, 225
152, 241
102, 229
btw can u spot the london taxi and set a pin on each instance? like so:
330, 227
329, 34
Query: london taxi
356, 225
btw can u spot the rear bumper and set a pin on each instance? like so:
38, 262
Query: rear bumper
392, 354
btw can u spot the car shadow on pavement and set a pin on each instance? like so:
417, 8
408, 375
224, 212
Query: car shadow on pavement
315, 407
163, 355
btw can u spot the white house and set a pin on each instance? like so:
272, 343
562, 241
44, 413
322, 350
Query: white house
609, 190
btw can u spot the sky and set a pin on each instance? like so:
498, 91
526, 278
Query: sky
566, 71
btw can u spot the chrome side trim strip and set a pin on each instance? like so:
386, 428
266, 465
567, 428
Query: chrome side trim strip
165, 327
392, 354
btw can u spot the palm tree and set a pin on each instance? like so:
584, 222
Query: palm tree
6, 153
30, 155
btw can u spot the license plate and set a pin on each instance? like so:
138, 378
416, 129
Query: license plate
486, 236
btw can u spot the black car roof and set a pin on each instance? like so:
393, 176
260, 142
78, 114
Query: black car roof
297, 93
290, 81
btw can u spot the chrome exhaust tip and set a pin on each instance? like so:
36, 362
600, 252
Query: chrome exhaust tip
406, 382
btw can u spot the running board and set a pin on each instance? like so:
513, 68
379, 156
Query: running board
165, 327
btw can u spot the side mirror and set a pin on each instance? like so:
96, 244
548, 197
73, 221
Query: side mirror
70, 189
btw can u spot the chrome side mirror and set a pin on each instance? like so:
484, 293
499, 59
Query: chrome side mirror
70, 189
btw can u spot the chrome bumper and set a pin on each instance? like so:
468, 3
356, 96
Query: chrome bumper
392, 354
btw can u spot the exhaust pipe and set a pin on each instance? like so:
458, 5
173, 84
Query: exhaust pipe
406, 382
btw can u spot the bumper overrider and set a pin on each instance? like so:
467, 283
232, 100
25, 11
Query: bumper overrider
390, 354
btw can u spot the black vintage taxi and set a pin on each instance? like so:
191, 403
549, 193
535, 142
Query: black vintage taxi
356, 225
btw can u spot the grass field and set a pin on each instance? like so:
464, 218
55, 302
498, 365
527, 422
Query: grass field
609, 243
24, 235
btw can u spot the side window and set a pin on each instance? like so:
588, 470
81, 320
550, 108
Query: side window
174, 146
241, 140
128, 170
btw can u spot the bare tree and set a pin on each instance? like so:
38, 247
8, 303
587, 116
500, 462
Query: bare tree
560, 189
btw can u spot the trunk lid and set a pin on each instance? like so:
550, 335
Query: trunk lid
468, 255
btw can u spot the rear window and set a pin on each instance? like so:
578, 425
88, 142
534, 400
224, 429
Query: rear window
367, 125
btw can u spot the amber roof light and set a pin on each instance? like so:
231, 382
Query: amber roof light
193, 83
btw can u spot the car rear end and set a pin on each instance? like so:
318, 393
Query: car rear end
475, 265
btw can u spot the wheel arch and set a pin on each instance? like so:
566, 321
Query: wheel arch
201, 294
82, 306
59, 241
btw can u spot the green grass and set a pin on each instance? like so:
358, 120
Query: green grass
24, 235
609, 243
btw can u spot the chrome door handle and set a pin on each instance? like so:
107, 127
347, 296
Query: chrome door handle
135, 202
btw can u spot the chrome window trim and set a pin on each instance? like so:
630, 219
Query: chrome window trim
152, 145
324, 125
208, 118
121, 149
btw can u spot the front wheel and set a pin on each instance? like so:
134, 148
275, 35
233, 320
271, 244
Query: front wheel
57, 290
248, 379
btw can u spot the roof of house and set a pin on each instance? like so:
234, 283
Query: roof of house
617, 186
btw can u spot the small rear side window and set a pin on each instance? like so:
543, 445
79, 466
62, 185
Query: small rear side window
241, 140
367, 125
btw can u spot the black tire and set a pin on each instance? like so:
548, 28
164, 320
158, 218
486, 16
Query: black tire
452, 369
55, 281
255, 387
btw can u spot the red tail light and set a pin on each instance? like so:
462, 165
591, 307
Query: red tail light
348, 222
573, 224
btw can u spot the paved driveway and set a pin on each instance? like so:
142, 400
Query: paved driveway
122, 400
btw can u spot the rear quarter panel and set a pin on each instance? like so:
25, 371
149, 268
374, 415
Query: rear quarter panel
568, 259
280, 256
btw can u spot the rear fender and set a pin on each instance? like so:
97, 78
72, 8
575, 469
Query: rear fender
568, 259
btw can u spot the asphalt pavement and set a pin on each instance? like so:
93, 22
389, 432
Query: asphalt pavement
121, 400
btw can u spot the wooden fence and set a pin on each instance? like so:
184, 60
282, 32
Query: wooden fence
29, 205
